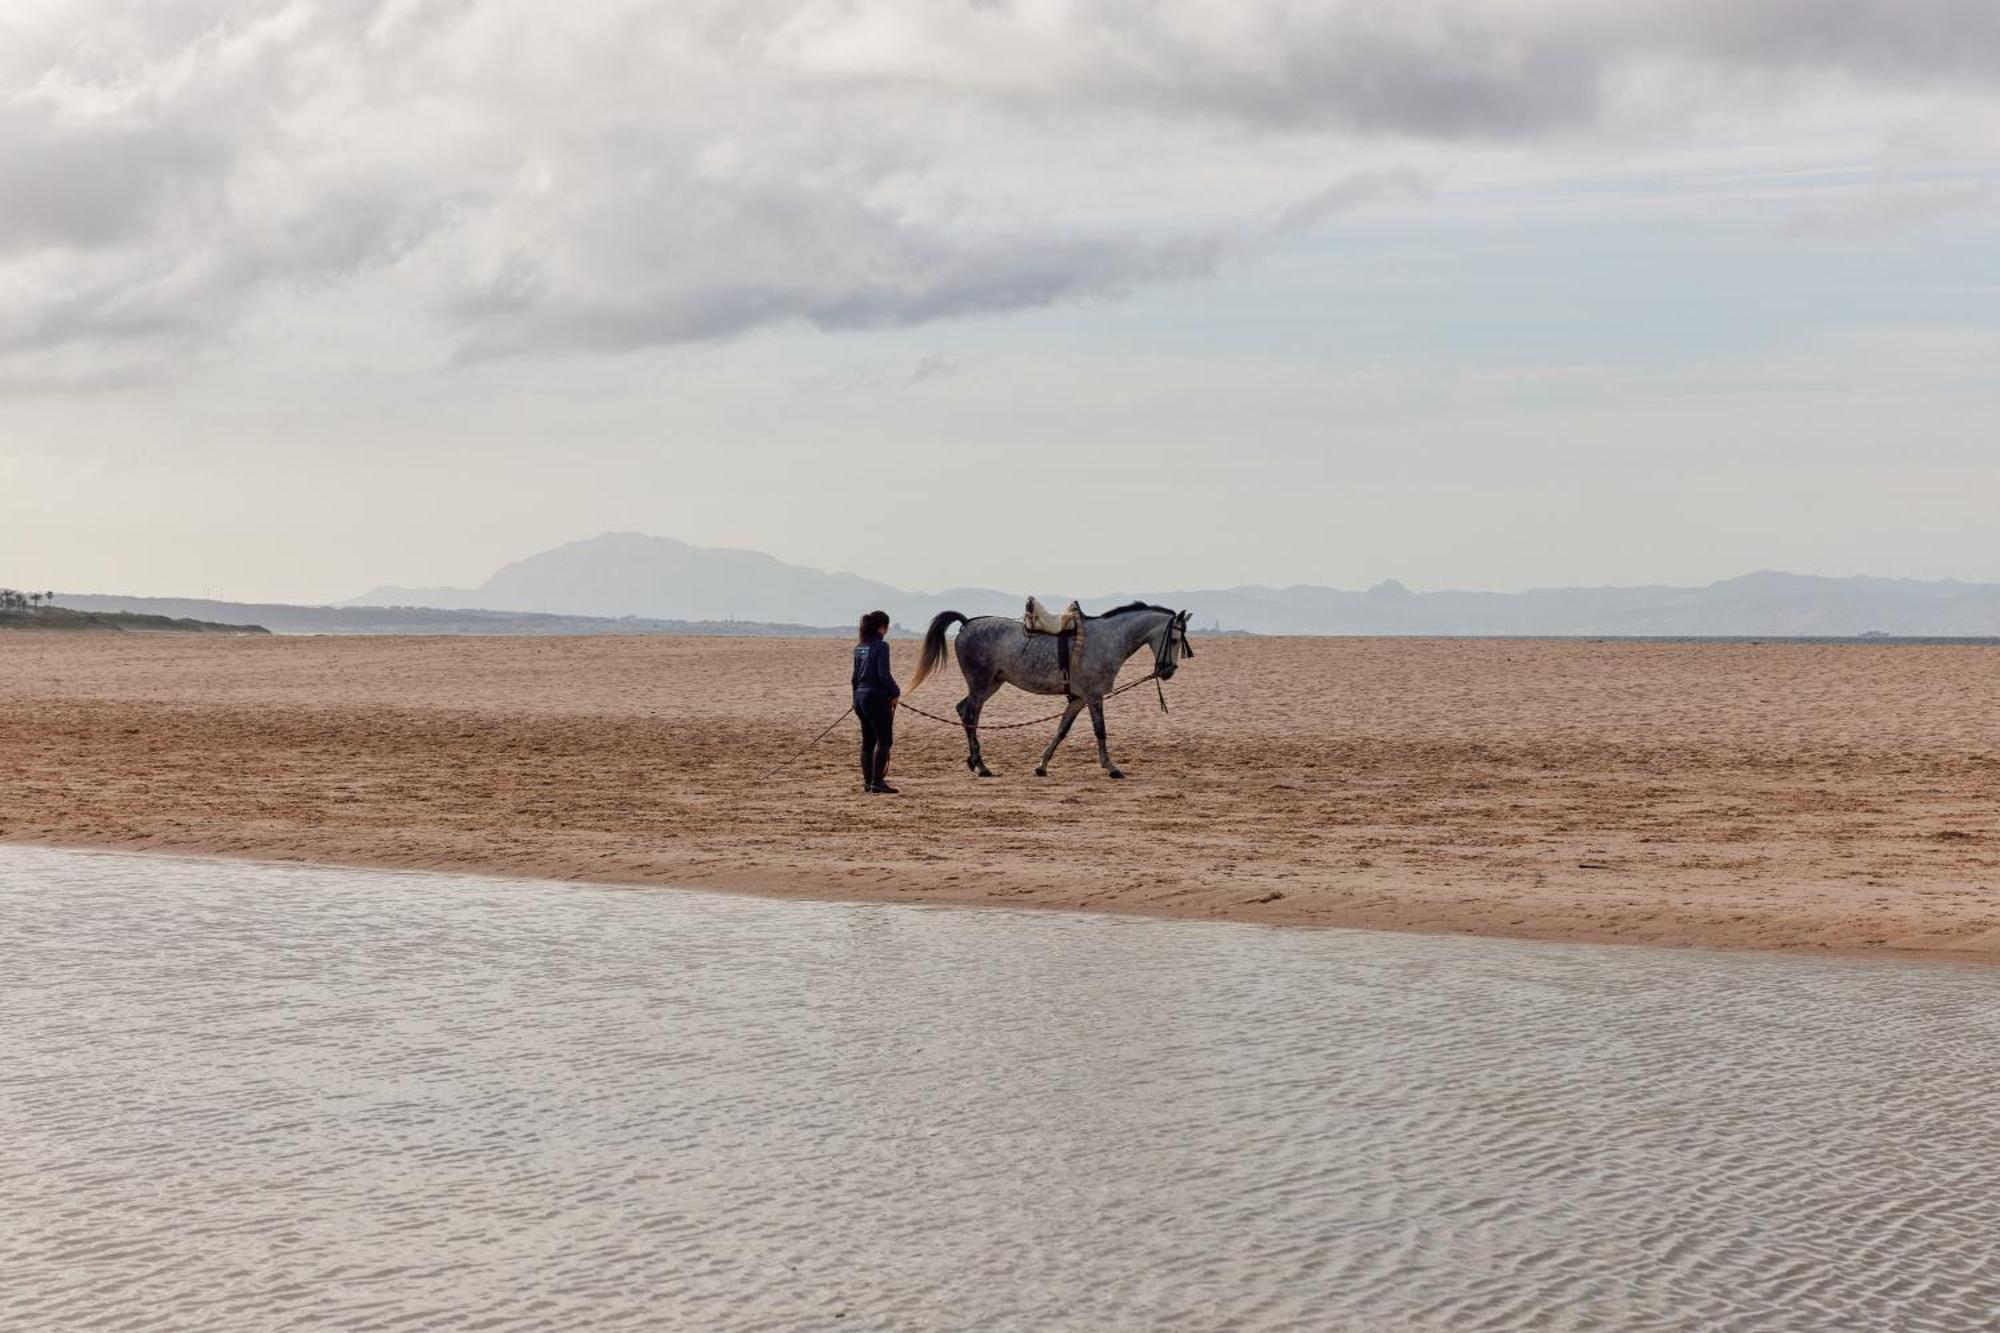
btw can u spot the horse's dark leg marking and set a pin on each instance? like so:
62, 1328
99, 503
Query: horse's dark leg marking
968, 713
1103, 750
1062, 730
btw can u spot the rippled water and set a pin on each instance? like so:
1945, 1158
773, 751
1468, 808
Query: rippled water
244, 1096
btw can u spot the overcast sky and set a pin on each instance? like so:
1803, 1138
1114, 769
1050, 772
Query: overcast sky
296, 299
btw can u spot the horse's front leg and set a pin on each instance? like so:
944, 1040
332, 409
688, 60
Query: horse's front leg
1062, 730
1103, 750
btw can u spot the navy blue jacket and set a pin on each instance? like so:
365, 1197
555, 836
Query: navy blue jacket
871, 670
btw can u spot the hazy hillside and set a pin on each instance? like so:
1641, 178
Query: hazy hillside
625, 584
629, 574
1754, 604
289, 619
621, 574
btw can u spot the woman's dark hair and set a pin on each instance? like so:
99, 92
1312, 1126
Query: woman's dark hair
874, 625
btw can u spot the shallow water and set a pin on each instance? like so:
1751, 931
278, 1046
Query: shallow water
247, 1096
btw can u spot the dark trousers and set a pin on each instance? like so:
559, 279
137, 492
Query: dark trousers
878, 732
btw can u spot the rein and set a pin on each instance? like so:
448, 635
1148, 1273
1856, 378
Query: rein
1164, 658
904, 706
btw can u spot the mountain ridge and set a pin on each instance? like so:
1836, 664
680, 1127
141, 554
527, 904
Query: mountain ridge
294, 618
635, 574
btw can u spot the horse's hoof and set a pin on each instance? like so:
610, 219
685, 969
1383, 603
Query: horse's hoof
1114, 773
1041, 772
985, 772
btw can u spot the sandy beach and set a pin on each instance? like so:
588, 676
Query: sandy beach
1782, 796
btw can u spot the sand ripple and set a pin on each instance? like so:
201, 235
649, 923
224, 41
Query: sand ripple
242, 1096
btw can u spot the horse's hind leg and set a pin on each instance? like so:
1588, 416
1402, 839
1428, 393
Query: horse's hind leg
968, 713
1062, 730
1103, 751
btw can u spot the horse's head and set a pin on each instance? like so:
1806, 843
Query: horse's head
1172, 645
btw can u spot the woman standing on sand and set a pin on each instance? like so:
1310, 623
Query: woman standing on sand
875, 696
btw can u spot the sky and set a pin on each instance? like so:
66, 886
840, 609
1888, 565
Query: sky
301, 298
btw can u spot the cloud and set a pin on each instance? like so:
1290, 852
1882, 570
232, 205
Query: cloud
638, 173
931, 366
805, 258
91, 186
1437, 68
1885, 205
1349, 191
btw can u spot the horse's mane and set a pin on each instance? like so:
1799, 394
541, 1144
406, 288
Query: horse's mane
1135, 606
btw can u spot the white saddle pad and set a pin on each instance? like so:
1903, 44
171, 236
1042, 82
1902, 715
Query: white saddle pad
1038, 619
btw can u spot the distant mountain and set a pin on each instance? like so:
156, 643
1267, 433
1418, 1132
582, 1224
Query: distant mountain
1756, 605
285, 618
627, 574
630, 574
1761, 604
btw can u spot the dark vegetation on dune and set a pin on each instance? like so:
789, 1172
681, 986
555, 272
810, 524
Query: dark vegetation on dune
35, 611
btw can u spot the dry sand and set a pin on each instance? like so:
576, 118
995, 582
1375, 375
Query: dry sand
1767, 796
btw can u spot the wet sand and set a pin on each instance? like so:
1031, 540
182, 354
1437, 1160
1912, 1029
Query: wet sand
1784, 796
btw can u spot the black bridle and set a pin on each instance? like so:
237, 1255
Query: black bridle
1164, 657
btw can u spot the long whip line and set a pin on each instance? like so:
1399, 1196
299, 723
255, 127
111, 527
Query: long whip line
766, 777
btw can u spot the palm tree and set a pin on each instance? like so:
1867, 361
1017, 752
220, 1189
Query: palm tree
34, 601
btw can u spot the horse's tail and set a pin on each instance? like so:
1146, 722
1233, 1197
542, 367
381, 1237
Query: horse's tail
934, 645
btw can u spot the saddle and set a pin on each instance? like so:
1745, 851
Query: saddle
1067, 627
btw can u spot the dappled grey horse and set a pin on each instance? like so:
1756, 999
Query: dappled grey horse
996, 650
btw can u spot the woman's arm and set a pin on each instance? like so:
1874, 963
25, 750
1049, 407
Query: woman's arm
878, 665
